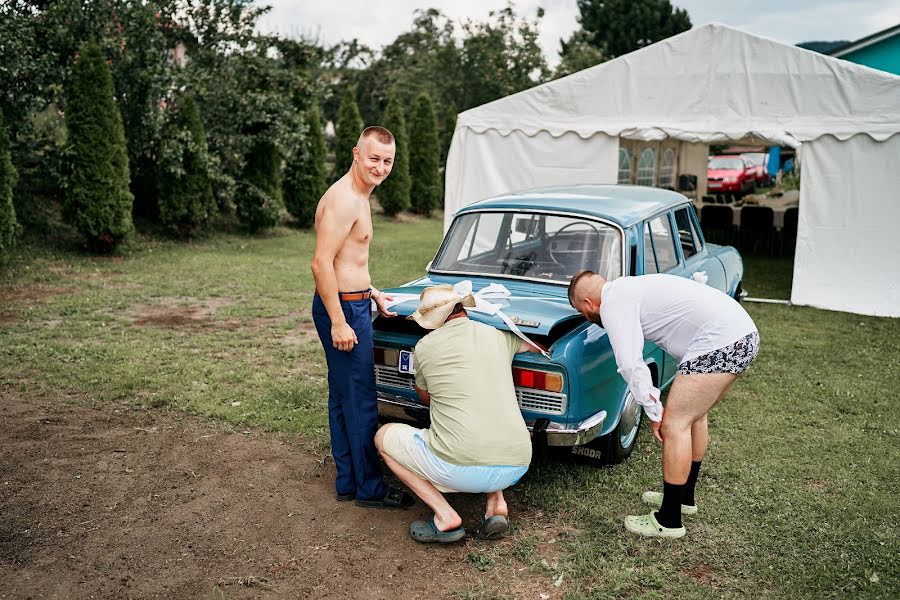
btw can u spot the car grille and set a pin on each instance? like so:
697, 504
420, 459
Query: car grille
541, 401
529, 399
390, 377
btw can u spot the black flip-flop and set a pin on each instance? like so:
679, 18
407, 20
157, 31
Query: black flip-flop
427, 532
393, 498
492, 528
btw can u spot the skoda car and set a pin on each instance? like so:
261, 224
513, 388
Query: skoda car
533, 243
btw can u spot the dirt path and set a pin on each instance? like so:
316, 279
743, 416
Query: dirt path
116, 502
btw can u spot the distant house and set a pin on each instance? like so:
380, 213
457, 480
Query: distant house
880, 50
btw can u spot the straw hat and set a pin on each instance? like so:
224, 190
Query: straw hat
436, 304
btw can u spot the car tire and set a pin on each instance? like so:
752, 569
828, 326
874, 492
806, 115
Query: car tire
738, 291
617, 445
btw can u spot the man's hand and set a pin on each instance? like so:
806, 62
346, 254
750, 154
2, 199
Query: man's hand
343, 337
656, 425
382, 308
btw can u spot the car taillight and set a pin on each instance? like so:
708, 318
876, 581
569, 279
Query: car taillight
539, 380
387, 357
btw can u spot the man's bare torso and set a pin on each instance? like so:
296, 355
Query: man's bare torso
351, 263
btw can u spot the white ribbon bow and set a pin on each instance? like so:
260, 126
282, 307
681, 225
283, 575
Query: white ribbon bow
483, 304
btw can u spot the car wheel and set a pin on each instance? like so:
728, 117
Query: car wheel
617, 445
739, 291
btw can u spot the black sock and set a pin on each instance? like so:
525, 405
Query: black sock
669, 514
691, 483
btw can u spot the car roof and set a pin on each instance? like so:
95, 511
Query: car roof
621, 204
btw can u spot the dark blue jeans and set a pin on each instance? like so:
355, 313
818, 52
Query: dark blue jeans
352, 405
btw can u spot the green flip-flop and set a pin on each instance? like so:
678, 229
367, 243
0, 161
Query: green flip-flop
648, 526
427, 532
492, 528
656, 499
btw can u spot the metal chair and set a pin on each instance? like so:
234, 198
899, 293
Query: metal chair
788, 237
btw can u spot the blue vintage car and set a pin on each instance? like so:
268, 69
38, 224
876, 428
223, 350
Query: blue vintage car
533, 243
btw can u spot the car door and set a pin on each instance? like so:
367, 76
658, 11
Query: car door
661, 256
693, 255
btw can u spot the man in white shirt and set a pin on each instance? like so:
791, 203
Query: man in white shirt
713, 338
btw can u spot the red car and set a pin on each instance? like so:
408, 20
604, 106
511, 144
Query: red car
730, 175
758, 160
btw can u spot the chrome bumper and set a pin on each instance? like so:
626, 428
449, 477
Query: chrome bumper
397, 407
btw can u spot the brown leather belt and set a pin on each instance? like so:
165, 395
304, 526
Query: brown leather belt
353, 296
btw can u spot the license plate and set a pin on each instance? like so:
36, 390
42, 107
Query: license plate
714, 185
406, 363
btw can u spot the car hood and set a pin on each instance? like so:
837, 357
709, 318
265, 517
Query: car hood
724, 172
534, 307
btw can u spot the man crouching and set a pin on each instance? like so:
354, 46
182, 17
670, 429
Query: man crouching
477, 442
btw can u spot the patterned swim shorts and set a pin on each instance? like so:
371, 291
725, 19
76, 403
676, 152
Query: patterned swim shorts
733, 358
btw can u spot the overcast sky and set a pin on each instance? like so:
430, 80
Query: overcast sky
378, 22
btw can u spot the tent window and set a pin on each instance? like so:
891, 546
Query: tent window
646, 167
624, 165
667, 169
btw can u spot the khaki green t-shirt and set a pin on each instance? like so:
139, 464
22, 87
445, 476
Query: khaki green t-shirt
466, 367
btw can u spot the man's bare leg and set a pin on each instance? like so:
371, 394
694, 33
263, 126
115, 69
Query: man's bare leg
699, 438
496, 505
691, 397
445, 518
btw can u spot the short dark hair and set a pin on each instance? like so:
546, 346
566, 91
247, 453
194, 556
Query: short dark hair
574, 283
380, 133
458, 308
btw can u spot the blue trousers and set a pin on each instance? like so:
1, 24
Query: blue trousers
352, 405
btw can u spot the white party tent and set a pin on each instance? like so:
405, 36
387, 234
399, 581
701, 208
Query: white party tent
708, 85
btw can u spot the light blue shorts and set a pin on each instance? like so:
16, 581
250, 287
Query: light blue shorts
407, 446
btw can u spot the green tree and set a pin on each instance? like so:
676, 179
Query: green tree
186, 200
8, 225
576, 54
450, 114
304, 178
98, 199
393, 193
424, 157
259, 200
349, 126
618, 27
500, 56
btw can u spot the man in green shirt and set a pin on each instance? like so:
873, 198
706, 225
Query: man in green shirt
478, 441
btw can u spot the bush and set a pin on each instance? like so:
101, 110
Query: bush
424, 157
9, 228
304, 178
393, 193
259, 201
98, 202
185, 193
349, 126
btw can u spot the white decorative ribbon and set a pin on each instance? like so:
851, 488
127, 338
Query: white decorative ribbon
494, 291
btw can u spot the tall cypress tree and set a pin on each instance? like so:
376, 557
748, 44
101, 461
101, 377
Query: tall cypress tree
424, 157
99, 200
393, 193
8, 225
349, 126
185, 193
304, 180
259, 200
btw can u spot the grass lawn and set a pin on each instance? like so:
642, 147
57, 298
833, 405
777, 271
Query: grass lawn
798, 496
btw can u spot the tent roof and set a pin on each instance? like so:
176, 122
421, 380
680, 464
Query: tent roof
709, 84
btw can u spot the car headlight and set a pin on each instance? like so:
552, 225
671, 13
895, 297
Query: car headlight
731, 180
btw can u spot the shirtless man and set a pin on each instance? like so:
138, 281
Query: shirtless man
341, 313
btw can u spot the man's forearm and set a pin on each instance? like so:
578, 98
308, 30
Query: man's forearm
327, 288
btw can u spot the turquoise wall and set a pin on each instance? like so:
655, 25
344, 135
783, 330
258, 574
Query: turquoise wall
884, 55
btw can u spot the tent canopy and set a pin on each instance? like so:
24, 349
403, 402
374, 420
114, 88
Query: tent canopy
708, 84
717, 84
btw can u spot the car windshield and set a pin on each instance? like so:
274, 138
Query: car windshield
529, 245
725, 163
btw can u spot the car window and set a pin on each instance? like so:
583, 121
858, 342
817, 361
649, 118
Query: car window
663, 243
649, 256
532, 245
723, 162
686, 234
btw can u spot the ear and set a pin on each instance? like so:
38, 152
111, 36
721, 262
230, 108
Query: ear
588, 304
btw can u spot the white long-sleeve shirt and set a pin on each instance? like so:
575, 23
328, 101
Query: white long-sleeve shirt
683, 317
